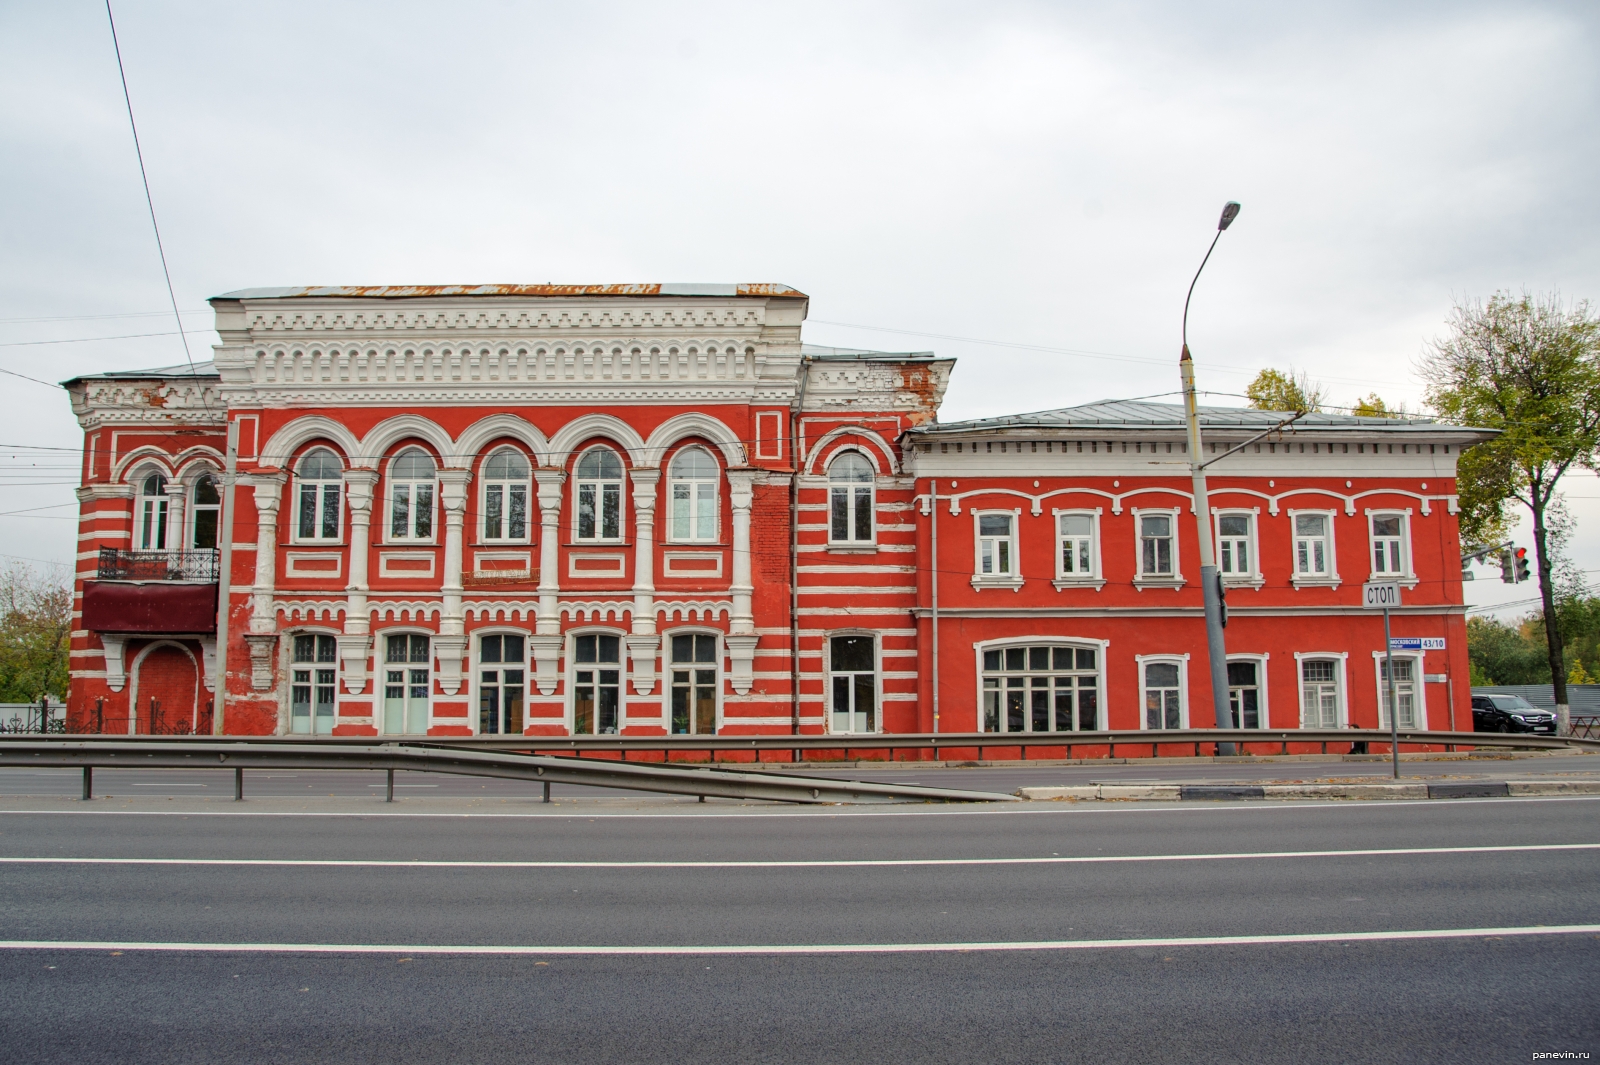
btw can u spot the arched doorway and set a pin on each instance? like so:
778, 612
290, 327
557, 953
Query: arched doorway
167, 674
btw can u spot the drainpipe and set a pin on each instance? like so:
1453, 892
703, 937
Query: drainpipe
230, 475
794, 551
933, 576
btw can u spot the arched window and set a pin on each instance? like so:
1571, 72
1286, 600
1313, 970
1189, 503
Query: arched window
693, 484
320, 478
411, 494
153, 513
598, 494
505, 496
203, 513
850, 499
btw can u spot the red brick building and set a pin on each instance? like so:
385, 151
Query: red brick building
650, 508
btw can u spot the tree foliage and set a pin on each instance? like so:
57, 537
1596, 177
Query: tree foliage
1373, 406
35, 630
1276, 390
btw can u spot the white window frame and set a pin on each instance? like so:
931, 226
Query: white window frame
1094, 577
1260, 662
570, 650
1342, 712
667, 665
852, 506
1142, 579
1252, 576
380, 654
289, 685
145, 515
195, 507
1182, 662
530, 500
434, 510
1013, 579
1314, 580
475, 657
694, 500
829, 674
321, 501
599, 483
1102, 712
1418, 683
1406, 574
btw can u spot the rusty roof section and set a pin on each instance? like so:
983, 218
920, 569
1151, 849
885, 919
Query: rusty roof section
411, 292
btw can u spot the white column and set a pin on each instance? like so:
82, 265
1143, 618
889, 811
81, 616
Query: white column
546, 641
452, 641
741, 638
356, 643
262, 635
177, 536
643, 643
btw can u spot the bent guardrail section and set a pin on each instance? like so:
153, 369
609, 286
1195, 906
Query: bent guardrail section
283, 753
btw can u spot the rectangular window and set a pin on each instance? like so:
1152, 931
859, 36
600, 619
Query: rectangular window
694, 684
407, 684
1319, 693
694, 510
1405, 691
1163, 695
599, 511
1388, 545
1244, 695
853, 683
1233, 545
1041, 689
850, 513
1075, 554
501, 681
1155, 545
153, 526
411, 511
997, 546
1312, 552
596, 685
314, 682
505, 512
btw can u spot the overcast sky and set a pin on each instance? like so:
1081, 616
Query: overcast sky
982, 180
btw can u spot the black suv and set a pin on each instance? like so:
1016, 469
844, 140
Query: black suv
1510, 713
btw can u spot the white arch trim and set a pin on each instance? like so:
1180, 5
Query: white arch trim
694, 423
287, 440
389, 432
584, 428
873, 447
147, 455
475, 438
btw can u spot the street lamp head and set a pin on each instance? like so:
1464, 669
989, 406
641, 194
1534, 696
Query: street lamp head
1230, 211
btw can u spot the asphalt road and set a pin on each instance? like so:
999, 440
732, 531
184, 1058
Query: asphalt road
834, 935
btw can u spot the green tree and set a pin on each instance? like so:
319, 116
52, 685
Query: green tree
35, 630
1276, 390
1501, 654
1373, 406
1529, 368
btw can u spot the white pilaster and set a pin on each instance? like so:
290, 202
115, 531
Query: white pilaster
546, 641
451, 643
177, 494
356, 643
741, 638
268, 493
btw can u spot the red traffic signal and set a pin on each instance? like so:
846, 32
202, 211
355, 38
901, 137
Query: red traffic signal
1520, 555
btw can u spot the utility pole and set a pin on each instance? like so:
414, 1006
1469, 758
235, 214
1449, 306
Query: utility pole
1210, 579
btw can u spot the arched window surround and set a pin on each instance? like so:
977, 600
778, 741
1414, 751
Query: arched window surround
852, 499
150, 531
411, 496
599, 481
318, 496
694, 496
507, 512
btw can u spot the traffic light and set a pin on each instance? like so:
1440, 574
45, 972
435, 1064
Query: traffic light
1521, 555
1508, 568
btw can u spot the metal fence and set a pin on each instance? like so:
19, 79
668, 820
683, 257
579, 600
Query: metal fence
1586, 726
119, 565
36, 718
150, 720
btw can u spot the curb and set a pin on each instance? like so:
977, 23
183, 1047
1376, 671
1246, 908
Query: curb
1214, 792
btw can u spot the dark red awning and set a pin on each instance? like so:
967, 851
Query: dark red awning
154, 606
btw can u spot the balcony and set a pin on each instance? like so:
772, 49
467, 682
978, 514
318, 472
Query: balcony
196, 566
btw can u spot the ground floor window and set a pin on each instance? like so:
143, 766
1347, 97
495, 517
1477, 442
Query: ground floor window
853, 683
596, 685
1405, 691
694, 683
1244, 695
1041, 689
314, 682
1163, 694
501, 665
1319, 693
407, 683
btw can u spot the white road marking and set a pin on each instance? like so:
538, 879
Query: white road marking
821, 948
1092, 859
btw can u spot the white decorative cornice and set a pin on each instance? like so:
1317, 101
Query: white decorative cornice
125, 401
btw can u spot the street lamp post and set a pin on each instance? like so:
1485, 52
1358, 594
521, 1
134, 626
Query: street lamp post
1210, 579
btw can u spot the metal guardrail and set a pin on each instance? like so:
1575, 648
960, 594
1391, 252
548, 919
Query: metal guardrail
119, 565
286, 753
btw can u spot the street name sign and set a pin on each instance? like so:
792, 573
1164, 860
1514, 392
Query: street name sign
1417, 643
1380, 595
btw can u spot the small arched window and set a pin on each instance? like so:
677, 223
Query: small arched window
411, 484
505, 496
204, 511
598, 493
850, 499
320, 478
153, 513
693, 478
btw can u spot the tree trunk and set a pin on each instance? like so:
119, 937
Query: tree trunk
1547, 597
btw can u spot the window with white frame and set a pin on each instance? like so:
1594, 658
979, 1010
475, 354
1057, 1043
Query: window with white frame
1319, 692
853, 683
313, 684
318, 482
1389, 545
153, 513
204, 508
851, 498
596, 684
1075, 546
597, 495
1162, 684
1406, 697
502, 674
997, 545
1157, 545
407, 683
1313, 545
1245, 688
1235, 544
1041, 689
694, 683
506, 490
411, 493
692, 486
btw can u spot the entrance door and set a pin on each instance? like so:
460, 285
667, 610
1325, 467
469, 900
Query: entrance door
855, 684
694, 683
313, 685
596, 685
500, 678
1244, 694
407, 684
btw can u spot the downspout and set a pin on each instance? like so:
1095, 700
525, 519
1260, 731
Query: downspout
794, 550
933, 576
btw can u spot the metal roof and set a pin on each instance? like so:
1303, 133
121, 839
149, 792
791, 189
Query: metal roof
408, 292
1125, 414
207, 368
822, 353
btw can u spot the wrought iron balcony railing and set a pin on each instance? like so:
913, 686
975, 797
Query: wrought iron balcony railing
119, 565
